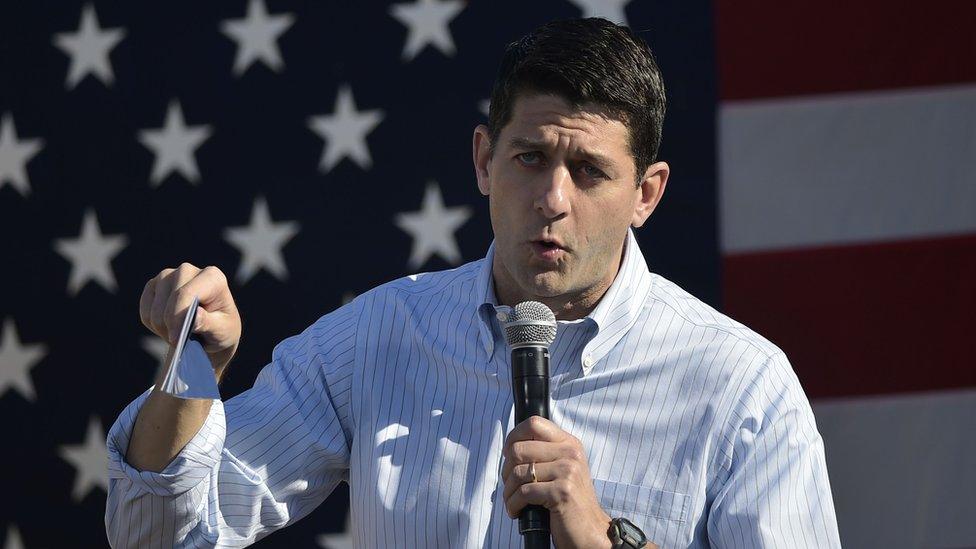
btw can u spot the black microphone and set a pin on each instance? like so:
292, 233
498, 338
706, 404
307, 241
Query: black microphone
529, 330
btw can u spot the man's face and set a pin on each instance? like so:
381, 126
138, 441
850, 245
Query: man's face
562, 194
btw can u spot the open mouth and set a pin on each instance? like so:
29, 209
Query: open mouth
548, 242
547, 250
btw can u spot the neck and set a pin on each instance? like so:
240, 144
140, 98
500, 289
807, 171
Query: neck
577, 306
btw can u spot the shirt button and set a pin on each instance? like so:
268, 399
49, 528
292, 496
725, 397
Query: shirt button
587, 362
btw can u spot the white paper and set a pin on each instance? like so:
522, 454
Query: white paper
190, 373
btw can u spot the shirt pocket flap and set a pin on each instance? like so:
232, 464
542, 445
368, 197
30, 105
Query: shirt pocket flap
629, 499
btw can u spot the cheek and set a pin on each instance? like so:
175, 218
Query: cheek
503, 219
505, 205
495, 210
605, 224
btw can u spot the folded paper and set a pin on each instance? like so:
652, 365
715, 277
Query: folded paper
190, 373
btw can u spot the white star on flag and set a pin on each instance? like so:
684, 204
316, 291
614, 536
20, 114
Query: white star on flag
256, 36
432, 228
155, 347
174, 146
15, 154
16, 361
344, 131
261, 242
91, 254
611, 10
89, 49
427, 22
90, 460
13, 538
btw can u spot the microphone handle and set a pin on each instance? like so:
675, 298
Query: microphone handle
530, 389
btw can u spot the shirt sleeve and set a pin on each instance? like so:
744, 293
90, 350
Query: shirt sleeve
261, 460
776, 492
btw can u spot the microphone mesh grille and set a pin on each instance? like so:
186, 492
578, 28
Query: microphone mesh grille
530, 322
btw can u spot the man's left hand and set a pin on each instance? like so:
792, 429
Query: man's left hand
563, 484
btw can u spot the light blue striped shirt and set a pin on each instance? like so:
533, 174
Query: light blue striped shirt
695, 427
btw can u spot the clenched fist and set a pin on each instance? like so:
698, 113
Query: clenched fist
167, 297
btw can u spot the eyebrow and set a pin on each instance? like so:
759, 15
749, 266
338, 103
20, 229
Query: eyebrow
597, 159
526, 143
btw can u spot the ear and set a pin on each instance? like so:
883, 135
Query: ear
651, 190
481, 153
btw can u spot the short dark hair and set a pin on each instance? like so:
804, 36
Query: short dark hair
586, 61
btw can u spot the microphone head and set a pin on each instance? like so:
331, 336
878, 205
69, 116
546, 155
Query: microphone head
531, 323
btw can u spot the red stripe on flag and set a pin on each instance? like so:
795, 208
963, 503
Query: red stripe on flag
858, 320
774, 49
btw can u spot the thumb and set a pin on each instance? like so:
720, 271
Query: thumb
204, 325
201, 321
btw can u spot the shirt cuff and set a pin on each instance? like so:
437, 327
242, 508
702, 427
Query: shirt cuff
196, 460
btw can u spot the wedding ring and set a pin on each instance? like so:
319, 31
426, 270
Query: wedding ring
532, 472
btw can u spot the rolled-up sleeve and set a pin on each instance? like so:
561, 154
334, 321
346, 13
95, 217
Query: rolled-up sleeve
776, 492
261, 460
144, 508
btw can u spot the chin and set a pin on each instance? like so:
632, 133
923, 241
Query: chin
547, 285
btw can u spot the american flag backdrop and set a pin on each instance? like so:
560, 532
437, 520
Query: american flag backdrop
823, 192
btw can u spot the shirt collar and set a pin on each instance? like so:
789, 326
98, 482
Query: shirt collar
615, 313
487, 302
620, 307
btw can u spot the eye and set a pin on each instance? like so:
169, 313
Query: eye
593, 172
530, 158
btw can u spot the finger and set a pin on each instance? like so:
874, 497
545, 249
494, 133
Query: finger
545, 494
180, 298
164, 283
536, 428
202, 326
202, 322
145, 302
216, 305
522, 474
173, 281
176, 310
210, 285
527, 451
190, 282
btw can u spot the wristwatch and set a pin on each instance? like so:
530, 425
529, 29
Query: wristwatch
625, 535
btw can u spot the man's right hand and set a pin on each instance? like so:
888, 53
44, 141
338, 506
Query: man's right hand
168, 295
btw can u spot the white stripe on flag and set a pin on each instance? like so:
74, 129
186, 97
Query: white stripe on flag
902, 465
848, 168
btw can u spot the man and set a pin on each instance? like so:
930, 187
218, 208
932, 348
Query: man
664, 412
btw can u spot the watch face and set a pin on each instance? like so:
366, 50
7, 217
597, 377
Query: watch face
630, 533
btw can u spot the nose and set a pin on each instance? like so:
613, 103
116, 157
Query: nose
553, 198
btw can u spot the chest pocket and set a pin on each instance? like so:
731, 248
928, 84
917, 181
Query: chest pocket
641, 503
